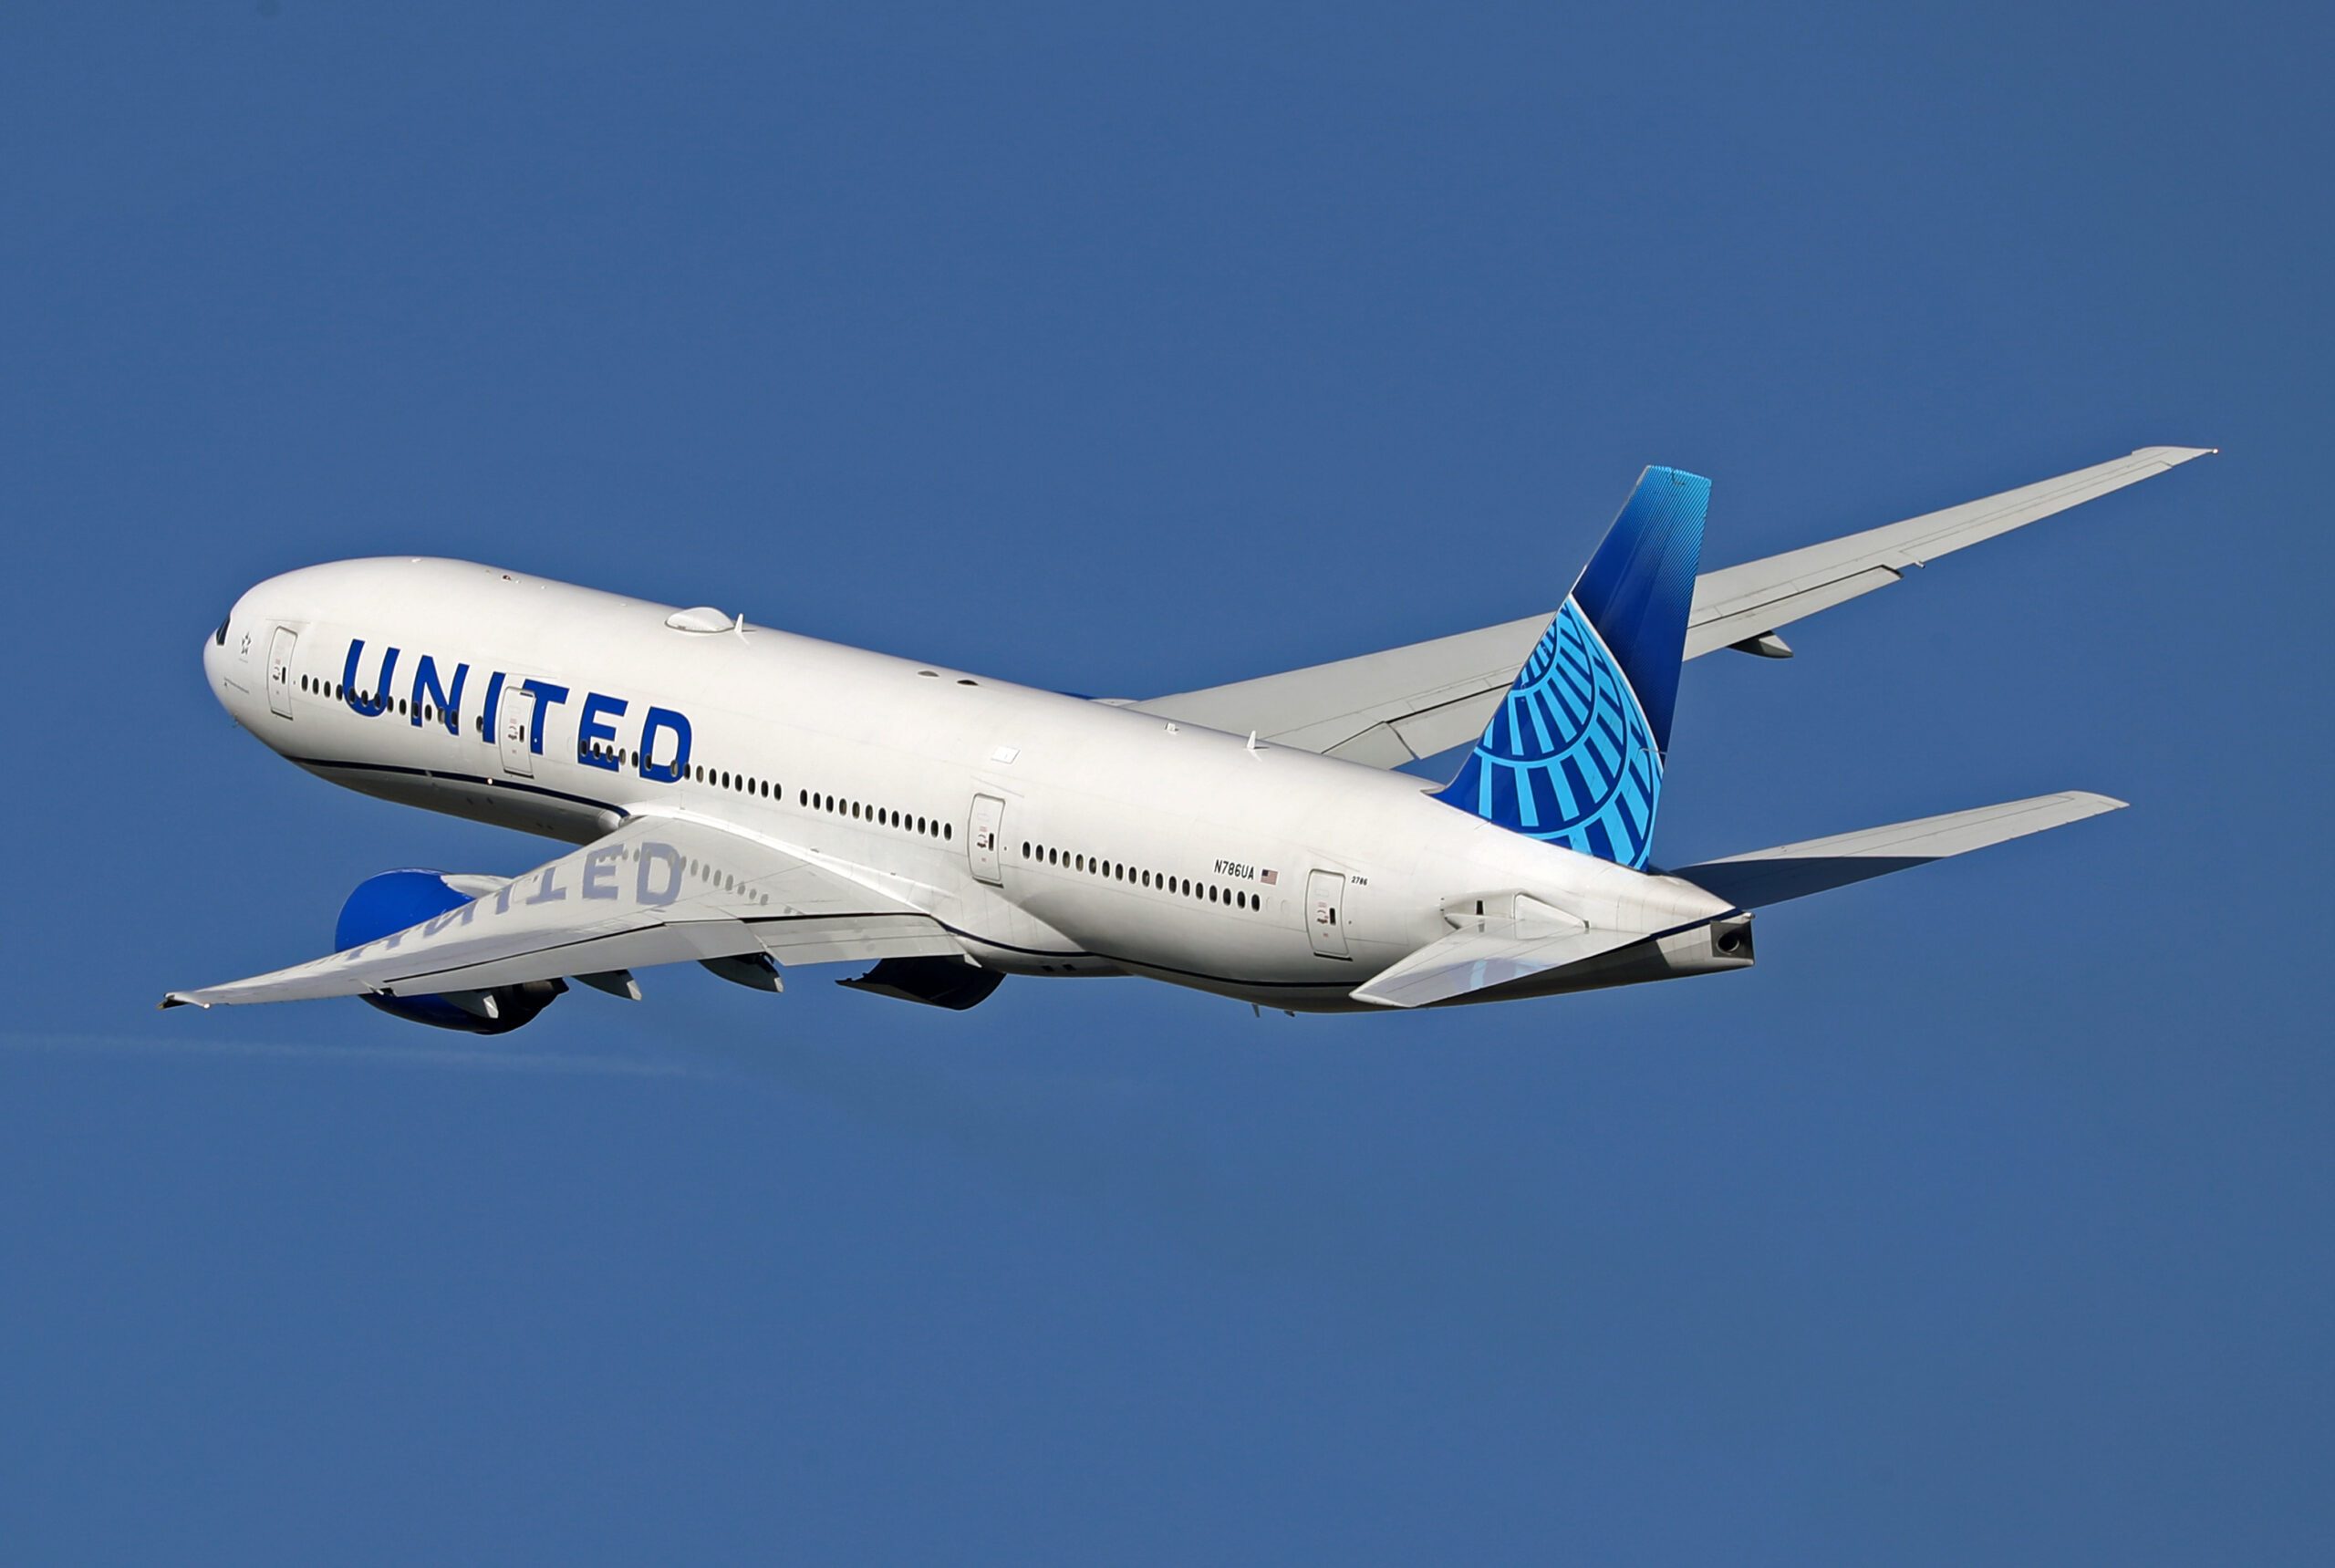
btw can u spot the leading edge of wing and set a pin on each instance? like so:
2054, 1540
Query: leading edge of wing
1735, 604
1390, 707
658, 889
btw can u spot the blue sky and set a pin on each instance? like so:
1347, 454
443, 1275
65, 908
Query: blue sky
1987, 1218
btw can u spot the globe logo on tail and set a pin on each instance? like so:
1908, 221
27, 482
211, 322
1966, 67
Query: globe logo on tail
1568, 758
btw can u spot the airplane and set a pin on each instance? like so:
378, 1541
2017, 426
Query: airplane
752, 800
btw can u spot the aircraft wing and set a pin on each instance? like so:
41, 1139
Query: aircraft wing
1386, 708
659, 889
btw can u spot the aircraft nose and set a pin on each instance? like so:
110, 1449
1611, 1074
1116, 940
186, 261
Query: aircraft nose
217, 657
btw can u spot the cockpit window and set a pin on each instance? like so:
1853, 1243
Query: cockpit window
220, 637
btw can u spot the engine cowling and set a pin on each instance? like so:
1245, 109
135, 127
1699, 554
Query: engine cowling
395, 900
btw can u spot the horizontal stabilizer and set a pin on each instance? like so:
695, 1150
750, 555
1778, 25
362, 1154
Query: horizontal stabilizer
1766, 877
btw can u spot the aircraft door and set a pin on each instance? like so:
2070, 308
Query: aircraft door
982, 843
1326, 898
280, 650
512, 731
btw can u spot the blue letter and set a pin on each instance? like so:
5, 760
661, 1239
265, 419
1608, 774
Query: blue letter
546, 695
590, 730
658, 719
425, 679
490, 731
358, 702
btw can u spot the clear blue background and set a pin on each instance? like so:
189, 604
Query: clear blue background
1987, 1220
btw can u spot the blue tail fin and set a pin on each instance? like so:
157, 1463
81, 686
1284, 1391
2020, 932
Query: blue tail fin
1574, 753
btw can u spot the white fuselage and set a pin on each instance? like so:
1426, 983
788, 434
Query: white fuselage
1123, 843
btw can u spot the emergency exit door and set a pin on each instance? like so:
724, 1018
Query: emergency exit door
280, 650
982, 843
1325, 899
513, 731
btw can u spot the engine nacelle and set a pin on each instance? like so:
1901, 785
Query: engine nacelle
396, 899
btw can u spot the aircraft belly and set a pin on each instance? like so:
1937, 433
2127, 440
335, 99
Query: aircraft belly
497, 805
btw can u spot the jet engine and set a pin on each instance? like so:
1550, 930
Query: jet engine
396, 899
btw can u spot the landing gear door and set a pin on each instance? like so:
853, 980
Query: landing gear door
981, 844
1326, 898
281, 648
512, 735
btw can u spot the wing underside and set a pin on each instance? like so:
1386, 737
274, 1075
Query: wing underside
1388, 708
658, 889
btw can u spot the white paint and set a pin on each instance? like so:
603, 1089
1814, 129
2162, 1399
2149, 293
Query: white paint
1106, 813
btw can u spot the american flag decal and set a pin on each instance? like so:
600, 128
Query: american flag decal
1271, 878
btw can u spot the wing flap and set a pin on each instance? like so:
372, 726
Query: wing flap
1762, 616
854, 939
677, 942
1765, 876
